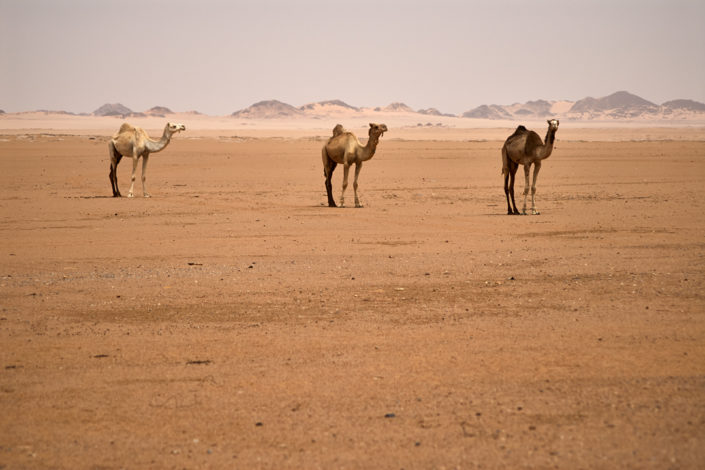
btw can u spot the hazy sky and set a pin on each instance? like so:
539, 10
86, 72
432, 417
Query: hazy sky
220, 56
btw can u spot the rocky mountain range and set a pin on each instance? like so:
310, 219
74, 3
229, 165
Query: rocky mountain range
621, 105
120, 110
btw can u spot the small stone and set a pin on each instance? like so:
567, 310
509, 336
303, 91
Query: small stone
390, 415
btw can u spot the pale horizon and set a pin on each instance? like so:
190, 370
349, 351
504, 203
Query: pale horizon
218, 57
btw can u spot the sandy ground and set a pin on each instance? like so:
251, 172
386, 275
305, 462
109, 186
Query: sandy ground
233, 321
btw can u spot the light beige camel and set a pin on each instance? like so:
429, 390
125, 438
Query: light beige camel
524, 147
346, 149
134, 142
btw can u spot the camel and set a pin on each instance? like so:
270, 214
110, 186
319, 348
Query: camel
343, 147
134, 142
525, 147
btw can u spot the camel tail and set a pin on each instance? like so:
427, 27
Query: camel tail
505, 161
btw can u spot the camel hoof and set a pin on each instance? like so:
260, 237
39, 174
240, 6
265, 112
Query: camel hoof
130, 195
147, 195
535, 212
359, 206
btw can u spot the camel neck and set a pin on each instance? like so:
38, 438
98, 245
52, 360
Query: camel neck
159, 145
548, 143
371, 147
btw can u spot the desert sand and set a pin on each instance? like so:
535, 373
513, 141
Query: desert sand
235, 321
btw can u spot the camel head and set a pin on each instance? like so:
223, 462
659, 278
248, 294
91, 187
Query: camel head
377, 129
175, 127
553, 124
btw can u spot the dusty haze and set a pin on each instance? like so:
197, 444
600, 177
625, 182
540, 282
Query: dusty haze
217, 57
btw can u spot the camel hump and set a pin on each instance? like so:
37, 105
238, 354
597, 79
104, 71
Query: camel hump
126, 128
520, 130
338, 129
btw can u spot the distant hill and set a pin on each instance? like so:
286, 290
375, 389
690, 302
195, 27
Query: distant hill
488, 112
430, 112
433, 112
330, 105
115, 109
686, 105
268, 110
538, 108
159, 111
50, 111
621, 104
398, 107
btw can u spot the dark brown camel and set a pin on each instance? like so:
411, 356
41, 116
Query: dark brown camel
524, 147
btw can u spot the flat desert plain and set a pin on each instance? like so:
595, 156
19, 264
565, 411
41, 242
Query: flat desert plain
235, 321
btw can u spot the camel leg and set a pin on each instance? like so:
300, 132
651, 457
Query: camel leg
358, 167
526, 186
505, 173
145, 159
506, 192
328, 168
329, 184
346, 171
134, 172
512, 175
114, 160
537, 167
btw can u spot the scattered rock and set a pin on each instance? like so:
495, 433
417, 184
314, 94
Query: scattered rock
199, 362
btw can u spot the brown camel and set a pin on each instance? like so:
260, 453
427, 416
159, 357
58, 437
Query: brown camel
134, 142
525, 147
345, 148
